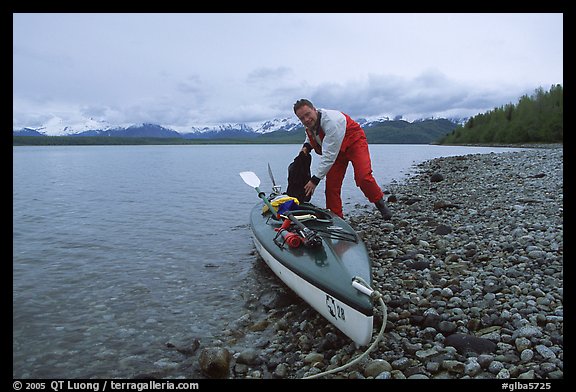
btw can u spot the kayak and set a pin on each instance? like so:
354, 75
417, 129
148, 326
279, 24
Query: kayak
322, 259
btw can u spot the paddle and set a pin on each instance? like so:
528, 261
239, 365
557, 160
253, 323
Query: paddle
252, 179
275, 188
311, 239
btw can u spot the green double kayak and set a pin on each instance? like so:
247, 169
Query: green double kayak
321, 272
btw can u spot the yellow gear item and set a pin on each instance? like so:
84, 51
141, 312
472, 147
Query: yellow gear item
278, 200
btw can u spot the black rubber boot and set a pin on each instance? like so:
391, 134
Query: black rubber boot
386, 214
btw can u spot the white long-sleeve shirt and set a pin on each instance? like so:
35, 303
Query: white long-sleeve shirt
333, 123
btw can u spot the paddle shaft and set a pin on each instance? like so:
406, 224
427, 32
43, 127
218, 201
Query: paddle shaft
262, 195
311, 239
252, 179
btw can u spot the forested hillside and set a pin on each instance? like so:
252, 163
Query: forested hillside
393, 132
534, 119
402, 132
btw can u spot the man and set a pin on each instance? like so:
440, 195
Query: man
338, 140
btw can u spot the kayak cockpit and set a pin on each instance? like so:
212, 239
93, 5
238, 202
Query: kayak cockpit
310, 221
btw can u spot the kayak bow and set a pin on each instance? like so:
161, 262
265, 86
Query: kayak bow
326, 271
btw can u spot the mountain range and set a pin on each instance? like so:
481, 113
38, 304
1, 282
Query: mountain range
379, 130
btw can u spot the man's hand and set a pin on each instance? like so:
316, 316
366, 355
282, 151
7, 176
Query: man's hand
309, 188
306, 148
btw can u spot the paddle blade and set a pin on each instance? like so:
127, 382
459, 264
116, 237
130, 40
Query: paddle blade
250, 178
271, 175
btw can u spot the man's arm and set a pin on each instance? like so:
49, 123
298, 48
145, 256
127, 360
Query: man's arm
334, 125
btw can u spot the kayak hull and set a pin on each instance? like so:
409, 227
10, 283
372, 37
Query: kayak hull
321, 276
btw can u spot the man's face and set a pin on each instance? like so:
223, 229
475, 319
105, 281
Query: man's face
307, 116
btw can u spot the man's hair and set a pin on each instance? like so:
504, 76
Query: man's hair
302, 102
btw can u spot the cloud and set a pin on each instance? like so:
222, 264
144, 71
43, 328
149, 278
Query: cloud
257, 99
430, 94
268, 75
185, 70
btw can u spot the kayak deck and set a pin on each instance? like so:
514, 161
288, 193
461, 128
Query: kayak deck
321, 275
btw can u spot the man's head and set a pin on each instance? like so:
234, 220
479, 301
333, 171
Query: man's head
306, 112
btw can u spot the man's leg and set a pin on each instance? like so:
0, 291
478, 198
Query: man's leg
359, 154
334, 180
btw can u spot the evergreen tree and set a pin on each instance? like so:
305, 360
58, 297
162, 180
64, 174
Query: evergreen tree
534, 119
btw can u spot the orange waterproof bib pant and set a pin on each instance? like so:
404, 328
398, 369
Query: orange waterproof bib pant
354, 149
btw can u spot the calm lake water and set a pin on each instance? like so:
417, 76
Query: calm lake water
118, 250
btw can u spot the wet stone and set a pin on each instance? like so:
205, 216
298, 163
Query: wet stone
480, 298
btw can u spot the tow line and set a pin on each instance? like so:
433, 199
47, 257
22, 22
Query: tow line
361, 285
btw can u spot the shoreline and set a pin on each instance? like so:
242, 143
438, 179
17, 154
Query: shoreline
471, 271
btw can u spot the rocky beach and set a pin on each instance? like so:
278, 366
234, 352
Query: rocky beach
470, 269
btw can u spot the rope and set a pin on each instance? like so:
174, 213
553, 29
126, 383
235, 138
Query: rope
375, 296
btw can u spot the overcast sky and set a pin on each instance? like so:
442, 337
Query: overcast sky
183, 70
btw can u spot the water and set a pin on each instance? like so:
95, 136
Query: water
118, 250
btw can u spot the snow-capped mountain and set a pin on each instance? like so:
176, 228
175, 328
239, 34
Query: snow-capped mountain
283, 124
91, 127
370, 121
219, 128
57, 127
